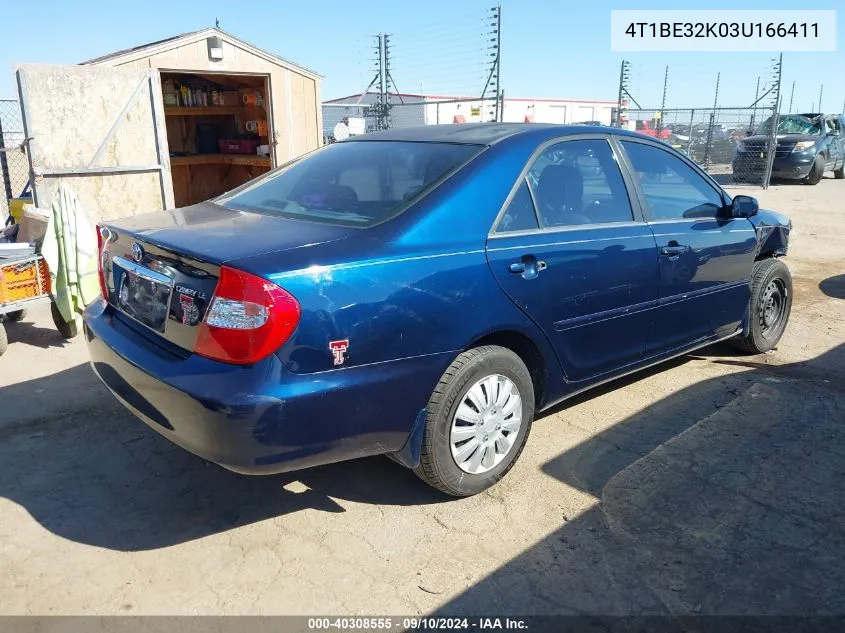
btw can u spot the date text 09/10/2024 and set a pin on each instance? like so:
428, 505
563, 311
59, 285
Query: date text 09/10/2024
417, 624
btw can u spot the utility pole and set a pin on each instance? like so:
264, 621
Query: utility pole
624, 71
791, 96
709, 141
773, 129
821, 92
663, 102
493, 83
382, 84
754, 112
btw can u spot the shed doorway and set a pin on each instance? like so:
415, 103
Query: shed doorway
218, 130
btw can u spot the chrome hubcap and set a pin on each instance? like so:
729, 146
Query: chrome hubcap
486, 424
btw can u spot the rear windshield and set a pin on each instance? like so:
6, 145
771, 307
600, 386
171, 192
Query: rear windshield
353, 183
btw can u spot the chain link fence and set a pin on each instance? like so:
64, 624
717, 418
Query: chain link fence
14, 166
734, 145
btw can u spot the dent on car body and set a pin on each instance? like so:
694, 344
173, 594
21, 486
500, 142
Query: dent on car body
772, 232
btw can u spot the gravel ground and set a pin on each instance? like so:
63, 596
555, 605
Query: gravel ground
710, 485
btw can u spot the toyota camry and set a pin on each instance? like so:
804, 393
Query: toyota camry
424, 292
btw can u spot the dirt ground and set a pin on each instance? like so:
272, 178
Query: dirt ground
711, 485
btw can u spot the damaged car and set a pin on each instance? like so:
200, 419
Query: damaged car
424, 292
807, 145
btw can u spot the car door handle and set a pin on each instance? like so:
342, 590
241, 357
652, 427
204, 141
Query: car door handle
672, 249
528, 267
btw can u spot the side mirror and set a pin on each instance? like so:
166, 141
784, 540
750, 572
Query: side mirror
744, 207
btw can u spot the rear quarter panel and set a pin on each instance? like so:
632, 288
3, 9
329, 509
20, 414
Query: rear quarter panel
417, 285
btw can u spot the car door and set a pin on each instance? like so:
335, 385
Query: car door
836, 142
574, 253
705, 256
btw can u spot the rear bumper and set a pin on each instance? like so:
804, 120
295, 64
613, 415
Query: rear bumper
260, 419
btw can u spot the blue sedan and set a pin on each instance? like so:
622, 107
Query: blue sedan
424, 292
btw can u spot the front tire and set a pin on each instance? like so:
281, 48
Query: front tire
478, 419
769, 306
816, 172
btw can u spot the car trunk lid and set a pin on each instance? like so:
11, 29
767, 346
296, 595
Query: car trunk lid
161, 269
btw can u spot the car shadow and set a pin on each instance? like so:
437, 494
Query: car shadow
723, 498
90, 472
27, 333
833, 286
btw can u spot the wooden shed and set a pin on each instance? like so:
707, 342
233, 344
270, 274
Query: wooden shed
188, 118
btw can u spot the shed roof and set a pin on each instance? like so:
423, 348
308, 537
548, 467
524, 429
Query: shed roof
145, 50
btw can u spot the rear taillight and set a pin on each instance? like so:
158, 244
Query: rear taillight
248, 319
102, 253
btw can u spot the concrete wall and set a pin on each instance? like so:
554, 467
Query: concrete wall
295, 98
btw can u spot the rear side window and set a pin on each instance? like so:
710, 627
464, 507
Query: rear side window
359, 183
579, 182
519, 216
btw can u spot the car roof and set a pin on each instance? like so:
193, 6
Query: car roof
482, 133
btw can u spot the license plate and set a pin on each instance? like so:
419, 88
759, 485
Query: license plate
143, 294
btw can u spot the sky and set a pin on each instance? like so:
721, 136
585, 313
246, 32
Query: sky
549, 48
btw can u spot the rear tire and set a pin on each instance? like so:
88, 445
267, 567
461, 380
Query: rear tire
769, 306
816, 172
4, 341
16, 316
485, 438
67, 330
839, 174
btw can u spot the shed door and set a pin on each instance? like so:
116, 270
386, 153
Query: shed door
100, 131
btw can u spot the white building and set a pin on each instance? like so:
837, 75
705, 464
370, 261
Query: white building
418, 109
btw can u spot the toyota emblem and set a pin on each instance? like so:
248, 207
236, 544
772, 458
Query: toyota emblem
137, 252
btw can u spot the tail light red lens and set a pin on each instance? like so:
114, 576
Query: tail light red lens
102, 245
248, 319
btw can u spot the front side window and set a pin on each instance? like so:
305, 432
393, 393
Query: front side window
579, 182
359, 183
672, 189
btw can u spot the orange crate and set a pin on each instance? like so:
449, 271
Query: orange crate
24, 280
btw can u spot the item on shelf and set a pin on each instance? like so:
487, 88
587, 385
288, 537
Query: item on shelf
237, 146
207, 138
257, 127
263, 150
253, 98
171, 94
